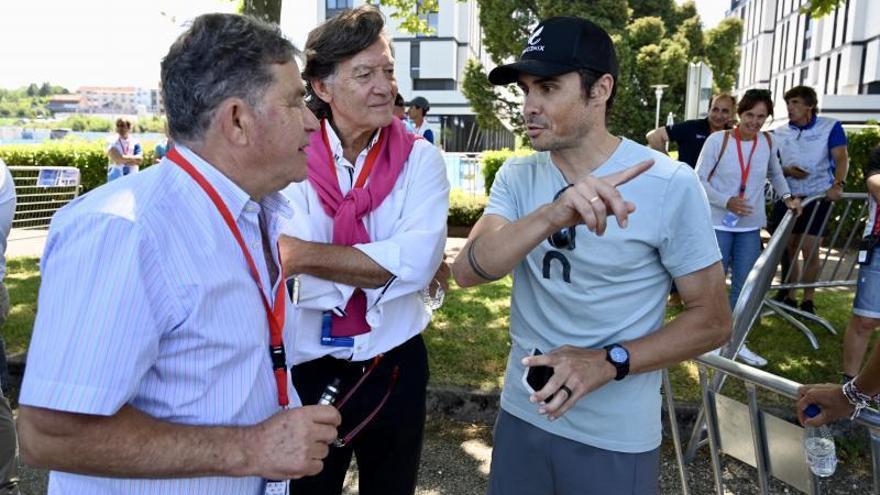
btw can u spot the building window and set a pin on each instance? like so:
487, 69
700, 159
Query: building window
805, 73
433, 84
873, 88
414, 59
336, 7
808, 36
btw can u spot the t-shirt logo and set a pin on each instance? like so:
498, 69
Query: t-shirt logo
533, 41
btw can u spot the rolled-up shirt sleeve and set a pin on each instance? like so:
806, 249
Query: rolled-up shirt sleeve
414, 250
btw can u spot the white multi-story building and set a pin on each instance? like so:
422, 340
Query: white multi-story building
122, 100
838, 55
431, 66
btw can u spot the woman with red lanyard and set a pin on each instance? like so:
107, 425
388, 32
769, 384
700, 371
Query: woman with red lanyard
733, 167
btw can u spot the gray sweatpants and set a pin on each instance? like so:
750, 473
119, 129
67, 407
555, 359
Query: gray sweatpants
530, 461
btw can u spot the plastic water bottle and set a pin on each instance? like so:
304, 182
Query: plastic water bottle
819, 446
730, 219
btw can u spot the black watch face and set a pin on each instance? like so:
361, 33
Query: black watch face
618, 355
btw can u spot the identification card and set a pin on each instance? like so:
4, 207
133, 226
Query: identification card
277, 487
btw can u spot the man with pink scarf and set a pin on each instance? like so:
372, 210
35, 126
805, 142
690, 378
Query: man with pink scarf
366, 237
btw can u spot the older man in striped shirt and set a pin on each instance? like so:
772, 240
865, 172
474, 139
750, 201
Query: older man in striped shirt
157, 363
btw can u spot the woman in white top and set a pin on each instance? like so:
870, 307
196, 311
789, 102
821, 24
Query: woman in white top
126, 154
733, 168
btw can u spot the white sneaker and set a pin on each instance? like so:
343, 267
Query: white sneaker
749, 357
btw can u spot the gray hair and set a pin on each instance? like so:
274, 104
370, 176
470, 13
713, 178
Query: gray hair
220, 56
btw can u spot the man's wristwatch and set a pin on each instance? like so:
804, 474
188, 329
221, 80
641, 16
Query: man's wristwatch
841, 183
618, 356
786, 196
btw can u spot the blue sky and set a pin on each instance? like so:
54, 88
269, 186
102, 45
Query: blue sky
116, 42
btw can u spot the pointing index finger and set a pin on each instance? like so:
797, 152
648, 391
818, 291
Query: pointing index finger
629, 174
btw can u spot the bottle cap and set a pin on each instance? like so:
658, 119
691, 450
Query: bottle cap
812, 411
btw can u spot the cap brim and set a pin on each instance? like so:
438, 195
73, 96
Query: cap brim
506, 74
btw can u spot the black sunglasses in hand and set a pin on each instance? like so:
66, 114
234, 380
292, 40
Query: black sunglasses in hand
563, 238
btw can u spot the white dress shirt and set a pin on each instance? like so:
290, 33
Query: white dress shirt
146, 300
408, 235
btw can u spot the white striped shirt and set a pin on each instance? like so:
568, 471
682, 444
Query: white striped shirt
408, 232
146, 299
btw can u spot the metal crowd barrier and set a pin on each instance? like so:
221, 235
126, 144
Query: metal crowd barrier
837, 255
744, 431
464, 172
40, 192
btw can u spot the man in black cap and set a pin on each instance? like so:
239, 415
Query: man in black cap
418, 108
588, 337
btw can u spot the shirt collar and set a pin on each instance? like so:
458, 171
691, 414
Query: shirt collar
809, 124
336, 144
235, 198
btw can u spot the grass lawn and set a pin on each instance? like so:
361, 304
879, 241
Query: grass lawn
22, 280
468, 343
468, 339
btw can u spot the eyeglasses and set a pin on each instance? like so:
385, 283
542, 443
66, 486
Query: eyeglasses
395, 373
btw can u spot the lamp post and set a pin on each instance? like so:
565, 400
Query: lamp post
658, 92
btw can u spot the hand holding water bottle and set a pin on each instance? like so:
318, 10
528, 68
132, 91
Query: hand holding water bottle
737, 208
433, 294
819, 446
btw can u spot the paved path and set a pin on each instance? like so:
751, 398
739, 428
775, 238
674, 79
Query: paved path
26, 242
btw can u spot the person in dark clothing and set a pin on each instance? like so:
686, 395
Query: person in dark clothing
691, 134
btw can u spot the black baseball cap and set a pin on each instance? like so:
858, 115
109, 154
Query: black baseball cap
559, 45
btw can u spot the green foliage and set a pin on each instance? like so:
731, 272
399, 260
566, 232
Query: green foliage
89, 158
491, 161
464, 208
28, 102
859, 147
412, 14
82, 123
645, 31
487, 102
265, 10
820, 8
722, 52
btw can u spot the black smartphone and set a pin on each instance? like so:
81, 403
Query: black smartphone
536, 377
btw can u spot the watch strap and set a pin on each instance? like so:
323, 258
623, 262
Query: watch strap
622, 368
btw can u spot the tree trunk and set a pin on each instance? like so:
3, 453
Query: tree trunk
265, 10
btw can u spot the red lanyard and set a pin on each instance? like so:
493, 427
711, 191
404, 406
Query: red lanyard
372, 155
274, 315
123, 144
743, 168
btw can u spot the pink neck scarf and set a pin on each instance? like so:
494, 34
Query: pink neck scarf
383, 166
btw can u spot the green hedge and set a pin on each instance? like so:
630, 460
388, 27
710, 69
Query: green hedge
89, 158
859, 148
491, 161
465, 209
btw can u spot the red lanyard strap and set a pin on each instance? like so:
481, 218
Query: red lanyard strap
275, 314
370, 161
744, 169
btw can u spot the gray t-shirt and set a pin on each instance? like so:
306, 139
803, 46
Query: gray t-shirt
609, 289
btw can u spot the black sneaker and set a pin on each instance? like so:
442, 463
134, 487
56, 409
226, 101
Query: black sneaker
808, 306
780, 296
